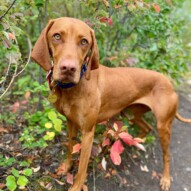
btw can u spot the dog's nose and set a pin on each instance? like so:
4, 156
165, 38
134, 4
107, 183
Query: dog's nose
68, 66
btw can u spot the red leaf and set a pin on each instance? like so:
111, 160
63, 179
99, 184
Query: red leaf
115, 157
106, 20
127, 138
106, 142
69, 178
76, 148
117, 147
156, 7
15, 107
24, 102
110, 22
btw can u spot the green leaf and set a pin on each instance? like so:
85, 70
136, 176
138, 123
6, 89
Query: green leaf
27, 172
52, 115
57, 127
39, 3
57, 122
124, 128
11, 183
48, 125
22, 182
49, 136
15, 172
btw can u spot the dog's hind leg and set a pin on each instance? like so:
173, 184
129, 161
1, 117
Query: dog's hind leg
165, 111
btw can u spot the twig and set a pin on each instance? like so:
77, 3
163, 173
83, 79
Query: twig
30, 48
94, 188
6, 75
7, 10
16, 67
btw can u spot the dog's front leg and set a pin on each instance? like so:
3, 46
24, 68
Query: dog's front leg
72, 135
86, 146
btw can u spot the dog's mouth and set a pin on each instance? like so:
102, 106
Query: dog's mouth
66, 77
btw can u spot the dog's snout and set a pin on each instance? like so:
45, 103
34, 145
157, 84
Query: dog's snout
68, 66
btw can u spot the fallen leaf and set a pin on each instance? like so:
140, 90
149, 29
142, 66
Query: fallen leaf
104, 163
36, 169
113, 172
49, 186
61, 169
2, 185
76, 148
108, 175
69, 178
155, 175
59, 182
3, 130
144, 168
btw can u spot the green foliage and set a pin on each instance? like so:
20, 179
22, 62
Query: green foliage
43, 126
18, 179
6, 162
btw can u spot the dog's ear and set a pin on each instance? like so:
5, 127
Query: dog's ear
40, 52
93, 62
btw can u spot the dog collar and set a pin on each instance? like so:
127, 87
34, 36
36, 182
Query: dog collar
64, 85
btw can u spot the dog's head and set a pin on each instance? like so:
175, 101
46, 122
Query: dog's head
69, 43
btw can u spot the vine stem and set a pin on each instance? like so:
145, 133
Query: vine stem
8, 9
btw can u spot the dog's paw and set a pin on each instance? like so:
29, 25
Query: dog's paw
73, 188
165, 184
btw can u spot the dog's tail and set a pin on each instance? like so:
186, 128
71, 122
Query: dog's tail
180, 118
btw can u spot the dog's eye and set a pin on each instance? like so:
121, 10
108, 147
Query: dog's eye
57, 36
84, 41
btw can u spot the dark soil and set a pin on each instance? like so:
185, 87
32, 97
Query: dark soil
129, 176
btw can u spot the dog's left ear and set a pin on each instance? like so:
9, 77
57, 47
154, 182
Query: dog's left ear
93, 62
40, 52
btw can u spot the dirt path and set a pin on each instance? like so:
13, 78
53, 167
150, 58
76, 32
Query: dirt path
138, 180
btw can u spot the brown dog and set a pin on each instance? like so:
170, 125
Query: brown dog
88, 93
